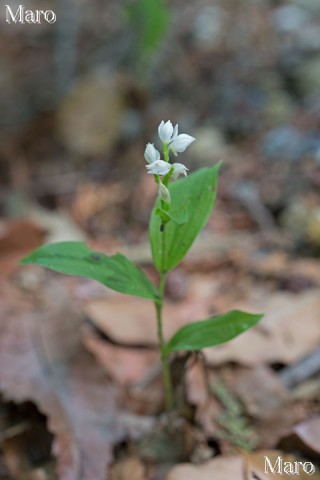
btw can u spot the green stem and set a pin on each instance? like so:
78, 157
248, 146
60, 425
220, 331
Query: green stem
164, 356
165, 153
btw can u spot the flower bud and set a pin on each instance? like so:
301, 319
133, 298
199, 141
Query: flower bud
165, 131
164, 193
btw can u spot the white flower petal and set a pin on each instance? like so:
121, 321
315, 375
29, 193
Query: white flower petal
151, 154
175, 132
181, 142
160, 167
165, 131
164, 193
179, 169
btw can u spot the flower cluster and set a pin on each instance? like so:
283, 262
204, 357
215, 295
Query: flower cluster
171, 142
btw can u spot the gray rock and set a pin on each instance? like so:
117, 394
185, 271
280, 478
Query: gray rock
209, 146
284, 142
208, 27
290, 18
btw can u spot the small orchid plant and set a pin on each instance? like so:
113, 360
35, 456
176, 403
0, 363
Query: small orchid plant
181, 210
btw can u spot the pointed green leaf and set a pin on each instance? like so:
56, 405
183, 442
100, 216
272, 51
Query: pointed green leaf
194, 195
75, 258
214, 331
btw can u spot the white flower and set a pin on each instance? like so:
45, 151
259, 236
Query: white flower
179, 169
151, 154
180, 143
169, 136
164, 193
165, 131
159, 167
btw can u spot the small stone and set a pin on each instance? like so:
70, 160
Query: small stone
209, 147
283, 143
279, 107
302, 220
290, 18
209, 26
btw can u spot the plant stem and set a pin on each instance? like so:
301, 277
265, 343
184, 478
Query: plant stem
164, 356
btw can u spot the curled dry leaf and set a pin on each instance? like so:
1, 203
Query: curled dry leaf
16, 239
42, 360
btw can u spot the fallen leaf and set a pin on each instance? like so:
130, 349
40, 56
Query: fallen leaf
305, 437
126, 365
260, 390
249, 466
16, 239
128, 469
256, 466
280, 336
135, 319
221, 468
42, 360
18, 456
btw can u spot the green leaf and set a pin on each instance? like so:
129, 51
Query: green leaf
214, 331
75, 258
194, 195
179, 215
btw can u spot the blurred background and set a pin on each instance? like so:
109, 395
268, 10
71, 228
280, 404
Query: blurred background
79, 100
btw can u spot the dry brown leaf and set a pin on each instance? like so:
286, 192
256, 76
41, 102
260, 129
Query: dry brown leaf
196, 385
289, 330
207, 406
305, 437
256, 466
42, 360
221, 468
249, 466
126, 365
128, 469
260, 390
278, 423
16, 239
132, 321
